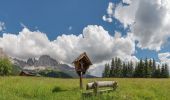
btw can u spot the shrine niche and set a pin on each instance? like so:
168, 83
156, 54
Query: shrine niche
82, 63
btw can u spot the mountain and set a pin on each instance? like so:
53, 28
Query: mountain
46, 60
46, 64
43, 60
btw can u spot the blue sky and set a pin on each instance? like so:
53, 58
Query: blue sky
55, 17
58, 17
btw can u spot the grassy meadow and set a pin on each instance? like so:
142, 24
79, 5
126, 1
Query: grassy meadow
40, 88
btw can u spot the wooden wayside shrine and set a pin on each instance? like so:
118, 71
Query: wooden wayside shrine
81, 64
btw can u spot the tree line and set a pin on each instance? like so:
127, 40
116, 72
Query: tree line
146, 68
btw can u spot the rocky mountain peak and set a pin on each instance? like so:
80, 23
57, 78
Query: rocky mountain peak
31, 61
46, 60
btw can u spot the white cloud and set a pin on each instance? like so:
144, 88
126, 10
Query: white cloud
2, 26
110, 11
127, 1
164, 57
24, 45
148, 21
97, 42
109, 19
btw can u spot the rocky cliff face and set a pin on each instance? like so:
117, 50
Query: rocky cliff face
43, 61
46, 60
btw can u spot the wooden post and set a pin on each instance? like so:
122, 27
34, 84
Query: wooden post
81, 73
81, 83
95, 90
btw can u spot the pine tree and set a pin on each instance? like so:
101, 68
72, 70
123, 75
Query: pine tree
137, 71
157, 72
124, 70
119, 68
153, 67
112, 73
106, 71
147, 72
116, 67
158, 75
150, 67
164, 71
130, 69
141, 68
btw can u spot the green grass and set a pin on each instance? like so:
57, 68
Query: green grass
39, 88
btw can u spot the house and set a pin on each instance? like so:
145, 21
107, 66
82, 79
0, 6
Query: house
28, 73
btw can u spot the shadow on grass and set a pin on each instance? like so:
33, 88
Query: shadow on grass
57, 89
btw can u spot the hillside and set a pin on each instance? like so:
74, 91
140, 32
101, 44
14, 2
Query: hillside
39, 88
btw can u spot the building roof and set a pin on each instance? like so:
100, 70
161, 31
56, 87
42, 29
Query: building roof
83, 55
30, 72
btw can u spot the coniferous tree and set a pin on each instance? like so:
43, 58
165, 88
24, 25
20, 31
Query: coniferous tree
130, 69
116, 67
141, 68
164, 71
124, 70
112, 69
119, 68
157, 72
106, 72
147, 71
136, 72
150, 67
154, 68
146, 68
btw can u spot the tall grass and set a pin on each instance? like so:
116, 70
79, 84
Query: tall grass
39, 88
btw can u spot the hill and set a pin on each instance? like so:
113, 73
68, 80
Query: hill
41, 88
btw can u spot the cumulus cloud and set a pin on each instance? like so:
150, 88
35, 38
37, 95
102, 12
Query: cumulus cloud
95, 40
24, 45
148, 21
2, 26
108, 17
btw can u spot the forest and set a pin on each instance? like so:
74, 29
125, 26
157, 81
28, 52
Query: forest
144, 68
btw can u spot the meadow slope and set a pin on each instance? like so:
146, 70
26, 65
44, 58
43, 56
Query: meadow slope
40, 88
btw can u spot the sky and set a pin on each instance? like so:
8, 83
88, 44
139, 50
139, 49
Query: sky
63, 29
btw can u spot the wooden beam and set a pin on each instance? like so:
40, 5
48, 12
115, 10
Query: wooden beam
81, 83
101, 84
